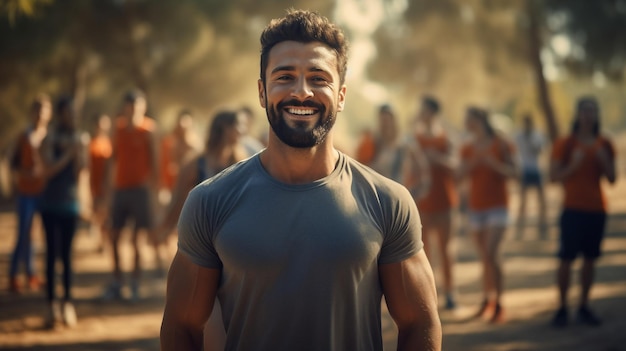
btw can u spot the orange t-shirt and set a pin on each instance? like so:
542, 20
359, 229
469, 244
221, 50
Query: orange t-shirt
487, 188
442, 195
582, 190
27, 157
367, 149
133, 159
100, 150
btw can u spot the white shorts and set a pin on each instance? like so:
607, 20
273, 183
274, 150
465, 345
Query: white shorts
490, 218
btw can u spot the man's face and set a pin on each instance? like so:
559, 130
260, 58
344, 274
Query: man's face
302, 92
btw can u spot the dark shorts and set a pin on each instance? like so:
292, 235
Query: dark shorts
581, 232
132, 204
531, 177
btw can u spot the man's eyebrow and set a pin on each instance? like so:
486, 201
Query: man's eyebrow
283, 68
292, 68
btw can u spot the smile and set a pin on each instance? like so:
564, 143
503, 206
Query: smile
300, 111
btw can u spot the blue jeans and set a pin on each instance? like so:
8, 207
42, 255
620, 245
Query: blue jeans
23, 252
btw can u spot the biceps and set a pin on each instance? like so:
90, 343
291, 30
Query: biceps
191, 291
409, 289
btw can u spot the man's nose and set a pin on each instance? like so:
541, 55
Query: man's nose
302, 89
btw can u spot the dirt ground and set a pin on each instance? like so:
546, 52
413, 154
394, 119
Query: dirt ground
529, 301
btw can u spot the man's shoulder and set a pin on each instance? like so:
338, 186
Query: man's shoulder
232, 177
367, 177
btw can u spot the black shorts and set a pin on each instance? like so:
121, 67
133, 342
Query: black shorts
132, 204
581, 232
531, 177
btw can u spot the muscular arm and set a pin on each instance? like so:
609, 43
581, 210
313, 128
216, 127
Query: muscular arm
190, 296
411, 297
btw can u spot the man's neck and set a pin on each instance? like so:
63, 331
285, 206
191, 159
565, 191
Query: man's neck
299, 166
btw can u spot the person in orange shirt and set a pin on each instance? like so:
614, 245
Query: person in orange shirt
133, 177
487, 163
439, 202
100, 150
28, 173
579, 162
176, 149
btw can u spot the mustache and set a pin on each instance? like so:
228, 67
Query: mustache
298, 103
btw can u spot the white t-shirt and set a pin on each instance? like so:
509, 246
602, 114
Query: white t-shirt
529, 146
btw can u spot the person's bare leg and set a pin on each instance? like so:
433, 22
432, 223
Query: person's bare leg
137, 254
563, 280
115, 247
443, 228
521, 215
587, 274
494, 238
543, 223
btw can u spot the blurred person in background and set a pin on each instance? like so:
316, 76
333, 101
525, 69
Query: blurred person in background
252, 144
529, 143
487, 163
132, 174
437, 205
393, 156
28, 172
223, 148
100, 150
64, 152
177, 147
579, 162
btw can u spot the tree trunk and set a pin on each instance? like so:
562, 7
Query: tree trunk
535, 61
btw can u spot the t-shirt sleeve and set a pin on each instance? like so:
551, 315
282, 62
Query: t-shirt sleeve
403, 229
195, 234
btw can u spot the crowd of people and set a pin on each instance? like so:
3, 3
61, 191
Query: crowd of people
132, 168
248, 234
478, 170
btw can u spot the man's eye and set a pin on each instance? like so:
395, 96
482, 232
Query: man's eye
283, 77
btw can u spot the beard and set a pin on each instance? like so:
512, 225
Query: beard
301, 135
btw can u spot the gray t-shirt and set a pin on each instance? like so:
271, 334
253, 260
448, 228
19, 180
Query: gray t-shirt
300, 262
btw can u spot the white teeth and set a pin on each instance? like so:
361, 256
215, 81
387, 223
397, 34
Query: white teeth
301, 112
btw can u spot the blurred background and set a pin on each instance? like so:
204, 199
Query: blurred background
511, 57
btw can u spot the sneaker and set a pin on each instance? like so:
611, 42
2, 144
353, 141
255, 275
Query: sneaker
112, 292
34, 283
54, 318
498, 315
14, 285
450, 302
585, 316
560, 319
485, 309
69, 314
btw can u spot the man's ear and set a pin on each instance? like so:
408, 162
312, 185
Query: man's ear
342, 98
261, 87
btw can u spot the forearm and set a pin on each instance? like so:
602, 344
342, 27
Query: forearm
425, 335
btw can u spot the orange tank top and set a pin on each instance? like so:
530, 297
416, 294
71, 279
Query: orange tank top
582, 189
100, 150
442, 195
487, 188
133, 159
